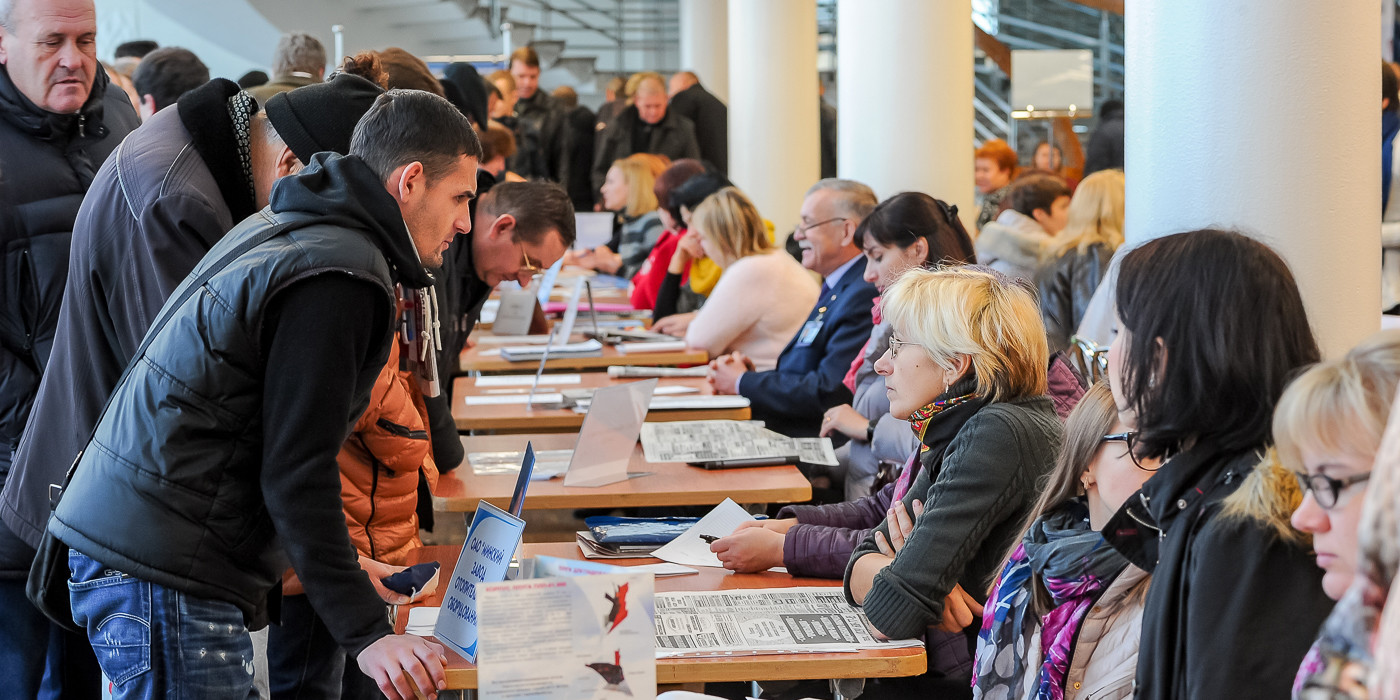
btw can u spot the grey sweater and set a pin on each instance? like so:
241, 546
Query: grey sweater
976, 499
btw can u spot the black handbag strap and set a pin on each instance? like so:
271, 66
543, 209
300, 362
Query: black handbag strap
56, 491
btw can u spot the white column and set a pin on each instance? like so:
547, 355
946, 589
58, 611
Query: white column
705, 43
905, 104
1262, 115
774, 150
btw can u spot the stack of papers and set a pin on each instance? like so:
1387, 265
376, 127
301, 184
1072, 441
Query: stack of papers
719, 440
501, 380
593, 549
548, 463
631, 372
505, 399
524, 353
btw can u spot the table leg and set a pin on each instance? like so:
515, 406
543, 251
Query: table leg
847, 688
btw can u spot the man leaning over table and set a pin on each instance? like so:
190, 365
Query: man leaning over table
239, 405
792, 398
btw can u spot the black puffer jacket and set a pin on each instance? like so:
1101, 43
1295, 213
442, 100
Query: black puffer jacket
538, 139
1067, 283
47, 162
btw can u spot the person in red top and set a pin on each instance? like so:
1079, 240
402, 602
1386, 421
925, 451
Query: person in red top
647, 282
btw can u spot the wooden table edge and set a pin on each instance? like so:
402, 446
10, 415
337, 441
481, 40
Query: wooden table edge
454, 504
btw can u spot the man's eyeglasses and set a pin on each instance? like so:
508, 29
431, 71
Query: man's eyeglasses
1326, 489
804, 228
1129, 439
528, 266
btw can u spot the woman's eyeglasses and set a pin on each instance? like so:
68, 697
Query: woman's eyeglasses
1327, 490
894, 346
1129, 439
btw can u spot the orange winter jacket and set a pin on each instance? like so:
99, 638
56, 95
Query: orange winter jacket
379, 467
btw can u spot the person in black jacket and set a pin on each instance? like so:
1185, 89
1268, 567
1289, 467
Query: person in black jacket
1105, 149
240, 403
691, 100
59, 120
645, 127
1077, 259
1212, 328
538, 122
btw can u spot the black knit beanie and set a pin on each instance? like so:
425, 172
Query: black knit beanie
321, 117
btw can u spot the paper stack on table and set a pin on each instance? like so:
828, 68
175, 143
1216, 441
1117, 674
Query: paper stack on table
631, 372
718, 440
526, 380
525, 353
645, 346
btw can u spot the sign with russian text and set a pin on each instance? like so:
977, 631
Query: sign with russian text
491, 541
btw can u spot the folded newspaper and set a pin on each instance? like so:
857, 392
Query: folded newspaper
713, 440
763, 621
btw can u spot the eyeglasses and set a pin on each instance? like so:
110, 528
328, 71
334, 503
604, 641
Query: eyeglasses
529, 267
804, 228
1326, 489
894, 346
1130, 440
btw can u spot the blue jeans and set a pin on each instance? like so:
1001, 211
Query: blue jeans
157, 642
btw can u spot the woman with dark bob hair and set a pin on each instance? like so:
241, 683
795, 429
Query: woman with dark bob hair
1211, 329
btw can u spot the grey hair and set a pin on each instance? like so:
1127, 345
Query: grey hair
854, 198
298, 51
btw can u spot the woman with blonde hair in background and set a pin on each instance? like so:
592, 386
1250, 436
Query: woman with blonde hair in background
629, 191
1077, 259
1327, 430
733, 235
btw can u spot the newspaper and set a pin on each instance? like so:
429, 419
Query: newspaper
712, 440
763, 621
630, 372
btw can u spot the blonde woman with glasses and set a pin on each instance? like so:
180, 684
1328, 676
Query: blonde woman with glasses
966, 368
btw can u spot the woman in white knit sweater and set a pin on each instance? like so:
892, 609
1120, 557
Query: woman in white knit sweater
762, 297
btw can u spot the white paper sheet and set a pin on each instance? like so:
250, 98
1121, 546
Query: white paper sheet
421, 621
548, 463
713, 440
690, 550
642, 347
528, 379
525, 353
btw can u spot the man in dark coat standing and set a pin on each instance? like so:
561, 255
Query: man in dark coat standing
645, 127
59, 120
691, 100
538, 121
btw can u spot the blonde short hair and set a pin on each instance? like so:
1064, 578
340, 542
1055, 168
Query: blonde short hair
639, 170
1340, 406
732, 224
1095, 215
979, 313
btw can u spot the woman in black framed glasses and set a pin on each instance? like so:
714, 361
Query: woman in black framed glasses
1211, 329
1328, 428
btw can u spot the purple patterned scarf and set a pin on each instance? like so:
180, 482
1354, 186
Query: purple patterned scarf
1076, 565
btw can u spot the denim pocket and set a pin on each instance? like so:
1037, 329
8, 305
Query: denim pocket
116, 611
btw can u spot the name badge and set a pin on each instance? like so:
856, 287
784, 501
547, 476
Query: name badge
809, 333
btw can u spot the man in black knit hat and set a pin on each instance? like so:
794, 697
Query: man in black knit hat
169, 192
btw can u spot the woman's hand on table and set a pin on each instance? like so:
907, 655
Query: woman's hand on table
675, 324
604, 260
845, 419
749, 550
779, 526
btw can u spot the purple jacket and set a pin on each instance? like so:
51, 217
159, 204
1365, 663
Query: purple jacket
820, 545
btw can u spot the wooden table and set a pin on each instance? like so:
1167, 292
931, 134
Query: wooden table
473, 361
669, 484
879, 663
516, 418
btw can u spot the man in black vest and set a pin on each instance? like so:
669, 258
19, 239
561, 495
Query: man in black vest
239, 404
59, 120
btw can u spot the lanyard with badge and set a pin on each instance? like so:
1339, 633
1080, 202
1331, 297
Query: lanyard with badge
811, 328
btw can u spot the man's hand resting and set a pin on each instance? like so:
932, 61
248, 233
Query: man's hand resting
405, 667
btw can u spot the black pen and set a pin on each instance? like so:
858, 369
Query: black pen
708, 538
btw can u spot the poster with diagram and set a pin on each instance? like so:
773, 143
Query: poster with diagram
588, 636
